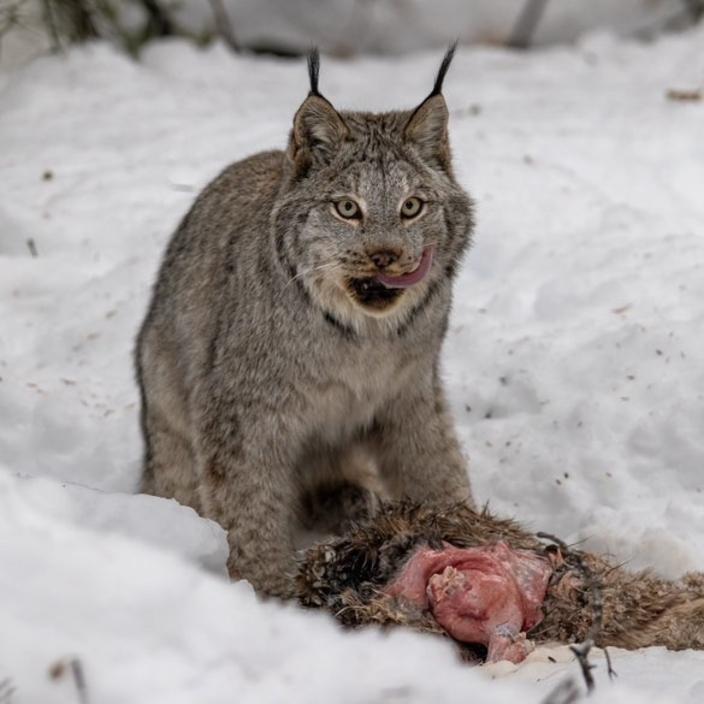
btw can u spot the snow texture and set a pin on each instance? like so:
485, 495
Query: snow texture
573, 361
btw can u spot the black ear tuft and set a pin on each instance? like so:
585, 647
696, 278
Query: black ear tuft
318, 128
426, 128
447, 60
314, 70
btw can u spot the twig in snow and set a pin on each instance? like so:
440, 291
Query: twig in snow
58, 670
80, 680
581, 652
566, 692
523, 30
592, 584
684, 96
609, 667
6, 691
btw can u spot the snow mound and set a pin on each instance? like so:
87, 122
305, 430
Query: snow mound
165, 524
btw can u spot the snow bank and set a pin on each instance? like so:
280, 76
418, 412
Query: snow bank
573, 359
161, 523
149, 627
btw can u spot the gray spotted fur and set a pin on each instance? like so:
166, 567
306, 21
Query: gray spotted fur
261, 377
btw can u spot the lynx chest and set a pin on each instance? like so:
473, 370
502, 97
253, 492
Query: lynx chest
360, 383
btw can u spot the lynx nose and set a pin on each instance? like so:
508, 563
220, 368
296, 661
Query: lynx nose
384, 258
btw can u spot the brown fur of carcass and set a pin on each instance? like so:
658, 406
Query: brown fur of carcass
347, 575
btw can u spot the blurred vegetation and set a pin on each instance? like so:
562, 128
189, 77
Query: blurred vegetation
131, 24
128, 23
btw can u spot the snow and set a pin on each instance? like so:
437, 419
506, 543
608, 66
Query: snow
573, 361
163, 524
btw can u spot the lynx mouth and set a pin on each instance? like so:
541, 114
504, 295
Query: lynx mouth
380, 292
371, 293
412, 277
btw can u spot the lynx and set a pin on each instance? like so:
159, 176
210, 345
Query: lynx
289, 357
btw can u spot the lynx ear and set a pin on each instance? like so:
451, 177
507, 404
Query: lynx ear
427, 131
426, 128
317, 127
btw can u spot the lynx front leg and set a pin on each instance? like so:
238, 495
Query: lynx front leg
248, 486
419, 455
170, 464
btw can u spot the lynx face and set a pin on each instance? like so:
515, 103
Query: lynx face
370, 216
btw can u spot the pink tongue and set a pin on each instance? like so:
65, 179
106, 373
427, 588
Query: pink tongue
406, 280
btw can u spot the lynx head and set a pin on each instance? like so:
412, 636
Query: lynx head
370, 218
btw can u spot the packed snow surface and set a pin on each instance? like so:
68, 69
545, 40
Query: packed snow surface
573, 361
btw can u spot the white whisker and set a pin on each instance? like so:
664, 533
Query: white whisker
328, 266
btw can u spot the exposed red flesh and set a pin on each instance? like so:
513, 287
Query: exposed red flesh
490, 595
413, 277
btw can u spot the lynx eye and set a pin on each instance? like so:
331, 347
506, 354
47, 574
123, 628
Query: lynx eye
348, 209
411, 207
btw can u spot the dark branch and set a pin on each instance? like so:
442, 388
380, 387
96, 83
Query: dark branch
159, 24
6, 691
581, 652
695, 8
609, 667
223, 25
566, 692
73, 666
80, 19
576, 560
79, 680
522, 33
